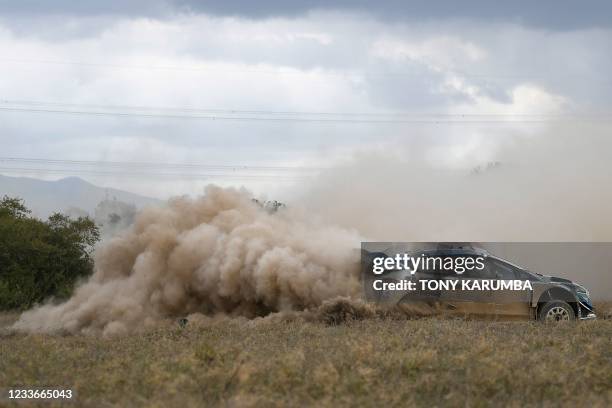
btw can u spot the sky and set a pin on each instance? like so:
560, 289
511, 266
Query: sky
265, 94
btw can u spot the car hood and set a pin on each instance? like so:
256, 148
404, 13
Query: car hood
554, 279
571, 285
574, 287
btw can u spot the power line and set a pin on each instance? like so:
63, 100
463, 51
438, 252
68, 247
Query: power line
162, 170
255, 118
300, 113
252, 177
205, 110
149, 165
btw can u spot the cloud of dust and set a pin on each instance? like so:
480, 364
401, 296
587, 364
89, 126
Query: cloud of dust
223, 254
219, 253
552, 186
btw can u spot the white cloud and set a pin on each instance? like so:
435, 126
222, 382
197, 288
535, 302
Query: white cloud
439, 53
320, 62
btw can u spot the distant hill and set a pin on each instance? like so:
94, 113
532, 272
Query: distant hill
67, 195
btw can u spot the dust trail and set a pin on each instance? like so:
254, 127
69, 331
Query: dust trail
218, 254
336, 311
223, 254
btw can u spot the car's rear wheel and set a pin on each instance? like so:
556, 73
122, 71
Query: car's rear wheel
556, 311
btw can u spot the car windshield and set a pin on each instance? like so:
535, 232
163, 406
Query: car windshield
519, 272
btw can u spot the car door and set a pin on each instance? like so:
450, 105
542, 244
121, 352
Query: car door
465, 302
509, 304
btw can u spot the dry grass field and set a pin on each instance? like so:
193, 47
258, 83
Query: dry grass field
372, 362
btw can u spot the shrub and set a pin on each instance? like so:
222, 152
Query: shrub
41, 259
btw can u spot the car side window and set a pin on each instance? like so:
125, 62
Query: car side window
500, 270
521, 275
485, 273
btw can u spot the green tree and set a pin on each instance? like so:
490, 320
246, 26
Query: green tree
41, 259
13, 207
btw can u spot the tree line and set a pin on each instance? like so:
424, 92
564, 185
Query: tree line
41, 259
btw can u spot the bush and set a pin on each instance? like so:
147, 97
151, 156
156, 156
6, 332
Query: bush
41, 259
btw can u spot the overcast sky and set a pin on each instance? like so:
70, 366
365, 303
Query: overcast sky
186, 58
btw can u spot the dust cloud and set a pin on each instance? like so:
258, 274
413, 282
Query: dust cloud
218, 254
551, 186
554, 186
222, 254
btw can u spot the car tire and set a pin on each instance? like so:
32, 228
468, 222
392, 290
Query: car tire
556, 311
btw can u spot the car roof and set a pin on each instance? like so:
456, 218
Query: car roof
454, 252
